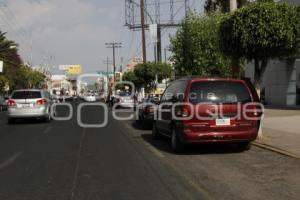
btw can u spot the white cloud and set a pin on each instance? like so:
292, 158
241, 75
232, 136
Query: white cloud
74, 31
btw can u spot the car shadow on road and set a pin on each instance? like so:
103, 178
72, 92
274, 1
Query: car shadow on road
163, 144
27, 121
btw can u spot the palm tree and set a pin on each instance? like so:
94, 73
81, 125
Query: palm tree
12, 60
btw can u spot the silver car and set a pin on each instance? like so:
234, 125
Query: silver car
124, 100
29, 104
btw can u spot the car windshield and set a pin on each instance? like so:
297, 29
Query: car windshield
26, 95
219, 92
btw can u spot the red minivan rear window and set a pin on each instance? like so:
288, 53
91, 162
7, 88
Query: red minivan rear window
219, 92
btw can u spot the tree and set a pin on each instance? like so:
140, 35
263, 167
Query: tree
130, 77
3, 83
12, 61
259, 32
195, 47
145, 74
28, 78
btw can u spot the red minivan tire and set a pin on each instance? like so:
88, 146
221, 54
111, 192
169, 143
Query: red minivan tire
176, 145
244, 146
155, 133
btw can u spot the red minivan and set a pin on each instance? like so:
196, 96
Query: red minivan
208, 110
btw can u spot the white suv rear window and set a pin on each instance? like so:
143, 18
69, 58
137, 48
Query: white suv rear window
26, 95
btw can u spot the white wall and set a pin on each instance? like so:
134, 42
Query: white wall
280, 81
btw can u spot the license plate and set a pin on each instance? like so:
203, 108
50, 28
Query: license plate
223, 122
25, 105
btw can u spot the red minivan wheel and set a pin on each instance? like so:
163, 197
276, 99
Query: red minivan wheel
176, 145
244, 146
155, 133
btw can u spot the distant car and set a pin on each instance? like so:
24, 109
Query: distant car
3, 104
124, 100
89, 98
145, 111
29, 103
215, 103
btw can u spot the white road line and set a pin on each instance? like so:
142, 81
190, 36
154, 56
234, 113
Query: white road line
47, 130
11, 160
75, 177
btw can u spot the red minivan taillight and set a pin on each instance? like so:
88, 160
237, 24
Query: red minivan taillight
41, 102
149, 109
182, 111
11, 103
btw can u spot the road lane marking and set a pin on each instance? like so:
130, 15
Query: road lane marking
75, 177
47, 130
10, 160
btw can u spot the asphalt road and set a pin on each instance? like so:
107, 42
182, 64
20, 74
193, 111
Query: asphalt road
61, 160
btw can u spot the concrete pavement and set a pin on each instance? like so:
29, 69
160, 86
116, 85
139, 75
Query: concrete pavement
281, 130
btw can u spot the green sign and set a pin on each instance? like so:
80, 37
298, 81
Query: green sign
103, 73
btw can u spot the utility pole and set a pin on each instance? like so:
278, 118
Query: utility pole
158, 45
107, 62
232, 5
234, 62
114, 45
186, 7
165, 55
142, 6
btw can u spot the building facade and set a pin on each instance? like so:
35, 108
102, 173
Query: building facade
281, 82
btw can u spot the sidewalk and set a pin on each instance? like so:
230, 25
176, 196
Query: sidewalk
281, 130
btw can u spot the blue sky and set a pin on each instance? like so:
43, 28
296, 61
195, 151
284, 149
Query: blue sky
72, 31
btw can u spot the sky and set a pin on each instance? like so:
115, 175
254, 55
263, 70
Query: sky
57, 32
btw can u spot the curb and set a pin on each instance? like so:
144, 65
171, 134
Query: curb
277, 150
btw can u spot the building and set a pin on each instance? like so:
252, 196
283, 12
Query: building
281, 82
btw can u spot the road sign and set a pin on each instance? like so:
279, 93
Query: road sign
103, 73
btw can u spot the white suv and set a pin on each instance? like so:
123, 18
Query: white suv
29, 103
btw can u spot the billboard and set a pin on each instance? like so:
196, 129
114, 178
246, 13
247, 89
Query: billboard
74, 70
64, 67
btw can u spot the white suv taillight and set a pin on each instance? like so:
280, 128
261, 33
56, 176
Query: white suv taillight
11, 103
41, 102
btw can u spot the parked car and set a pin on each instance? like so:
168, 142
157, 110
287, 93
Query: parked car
205, 96
29, 103
124, 100
145, 112
3, 105
89, 98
